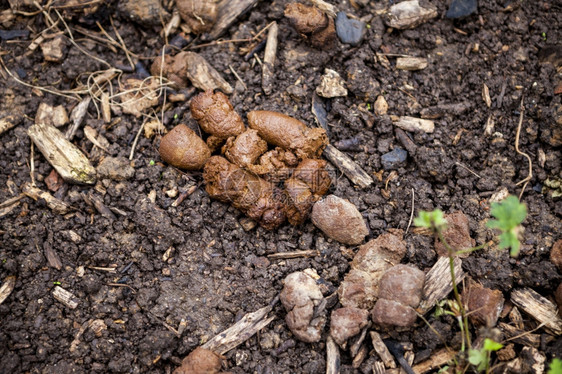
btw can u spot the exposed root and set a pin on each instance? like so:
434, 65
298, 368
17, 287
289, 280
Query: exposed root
517, 134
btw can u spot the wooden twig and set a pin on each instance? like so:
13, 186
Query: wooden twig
131, 155
411, 213
7, 287
65, 157
77, 116
538, 307
437, 360
241, 330
58, 206
382, 350
237, 77
348, 166
228, 12
269, 59
467, 169
517, 134
65, 297
332, 357
438, 282
294, 254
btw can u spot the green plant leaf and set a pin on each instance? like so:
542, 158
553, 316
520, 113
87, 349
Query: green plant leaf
478, 358
555, 367
431, 220
492, 346
509, 213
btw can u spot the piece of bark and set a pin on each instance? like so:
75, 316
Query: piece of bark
360, 356
65, 297
203, 76
105, 108
52, 257
58, 206
415, 124
50, 115
520, 336
10, 121
348, 166
438, 282
538, 307
378, 368
411, 63
7, 287
270, 54
382, 350
332, 357
242, 330
437, 360
77, 116
534, 360
228, 12
409, 14
358, 341
65, 157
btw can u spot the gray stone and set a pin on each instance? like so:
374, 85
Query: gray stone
394, 159
462, 8
116, 168
350, 31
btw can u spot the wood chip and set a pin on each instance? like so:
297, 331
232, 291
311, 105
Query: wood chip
105, 108
332, 357
378, 368
382, 350
411, 63
486, 95
437, 360
228, 12
203, 76
65, 297
65, 157
438, 282
538, 307
415, 124
77, 116
58, 206
293, 254
52, 257
7, 287
10, 121
348, 166
268, 72
241, 330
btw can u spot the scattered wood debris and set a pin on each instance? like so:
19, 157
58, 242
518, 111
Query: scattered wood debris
64, 156
538, 307
58, 206
268, 66
409, 14
7, 287
55, 116
411, 63
348, 166
65, 297
414, 124
438, 282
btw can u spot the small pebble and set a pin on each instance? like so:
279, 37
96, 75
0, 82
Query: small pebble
346, 323
409, 14
402, 283
415, 124
556, 254
381, 106
393, 160
457, 234
300, 296
484, 305
391, 313
350, 31
461, 8
332, 85
340, 220
116, 168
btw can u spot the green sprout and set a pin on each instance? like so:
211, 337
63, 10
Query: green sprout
176, 117
368, 26
543, 34
151, 163
509, 215
555, 367
368, 106
481, 357
57, 283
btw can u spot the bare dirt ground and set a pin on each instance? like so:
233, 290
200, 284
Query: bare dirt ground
159, 280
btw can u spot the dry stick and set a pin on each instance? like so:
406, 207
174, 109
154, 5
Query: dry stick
269, 59
467, 169
54, 92
412, 213
219, 42
238, 77
136, 140
122, 42
32, 165
530, 175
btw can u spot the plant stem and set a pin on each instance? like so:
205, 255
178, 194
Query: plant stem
452, 253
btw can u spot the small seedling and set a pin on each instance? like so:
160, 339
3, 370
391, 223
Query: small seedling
57, 283
481, 357
151, 163
509, 215
555, 367
543, 34
176, 117
368, 106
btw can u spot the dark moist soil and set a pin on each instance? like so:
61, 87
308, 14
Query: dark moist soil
195, 266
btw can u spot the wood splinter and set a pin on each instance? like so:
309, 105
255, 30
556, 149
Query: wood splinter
348, 166
269, 59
